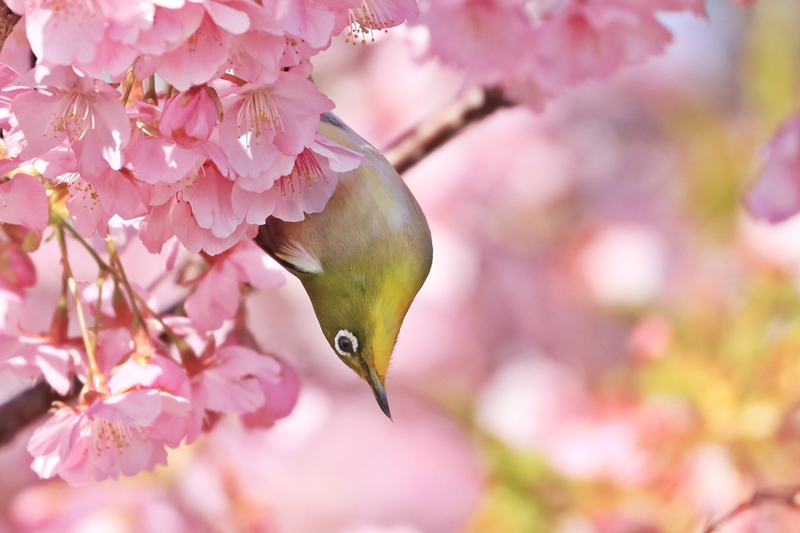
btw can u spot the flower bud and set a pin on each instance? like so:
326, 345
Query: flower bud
189, 118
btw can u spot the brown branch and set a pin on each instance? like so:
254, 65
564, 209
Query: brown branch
28, 406
789, 497
8, 20
413, 146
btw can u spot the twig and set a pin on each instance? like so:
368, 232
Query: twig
28, 406
789, 497
413, 146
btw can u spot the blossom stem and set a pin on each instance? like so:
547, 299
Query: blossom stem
60, 322
97, 306
123, 278
97, 259
233, 79
151, 96
130, 80
141, 336
94, 377
106, 268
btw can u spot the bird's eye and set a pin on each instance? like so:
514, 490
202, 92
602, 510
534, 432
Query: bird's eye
346, 343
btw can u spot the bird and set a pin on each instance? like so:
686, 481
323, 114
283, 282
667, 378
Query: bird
361, 260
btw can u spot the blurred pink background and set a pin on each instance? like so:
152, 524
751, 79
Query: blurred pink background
605, 342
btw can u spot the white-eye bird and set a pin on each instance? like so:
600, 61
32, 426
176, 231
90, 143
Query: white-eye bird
362, 260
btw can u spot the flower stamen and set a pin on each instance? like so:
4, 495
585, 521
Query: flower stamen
259, 114
372, 15
306, 171
73, 116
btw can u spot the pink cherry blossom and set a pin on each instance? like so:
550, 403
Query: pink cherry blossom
93, 203
280, 398
164, 374
535, 50
112, 435
198, 60
17, 271
210, 199
157, 160
590, 40
258, 53
23, 200
379, 15
486, 38
215, 299
306, 189
263, 124
62, 32
61, 104
235, 379
217, 295
175, 218
313, 180
775, 196
189, 118
31, 358
16, 52
202, 44
307, 20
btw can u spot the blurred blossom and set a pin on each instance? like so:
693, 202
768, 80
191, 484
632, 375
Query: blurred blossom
713, 484
776, 245
649, 337
526, 399
775, 196
624, 265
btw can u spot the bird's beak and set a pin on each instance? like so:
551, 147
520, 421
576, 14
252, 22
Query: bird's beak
378, 390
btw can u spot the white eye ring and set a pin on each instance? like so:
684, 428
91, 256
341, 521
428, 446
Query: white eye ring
344, 340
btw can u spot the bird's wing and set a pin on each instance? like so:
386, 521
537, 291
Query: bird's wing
287, 251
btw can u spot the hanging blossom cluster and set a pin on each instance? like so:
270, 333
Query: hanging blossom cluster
536, 49
172, 121
190, 122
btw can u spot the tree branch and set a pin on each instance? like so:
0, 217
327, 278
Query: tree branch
416, 144
788, 497
8, 20
29, 405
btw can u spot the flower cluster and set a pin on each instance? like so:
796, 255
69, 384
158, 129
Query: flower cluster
204, 159
177, 121
535, 49
150, 382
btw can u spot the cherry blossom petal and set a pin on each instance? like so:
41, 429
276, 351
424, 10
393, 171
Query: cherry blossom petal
64, 32
189, 119
195, 238
226, 17
210, 198
23, 200
280, 398
198, 59
155, 160
254, 267
216, 298
253, 207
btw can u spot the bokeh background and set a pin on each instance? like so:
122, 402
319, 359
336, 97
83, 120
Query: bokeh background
607, 343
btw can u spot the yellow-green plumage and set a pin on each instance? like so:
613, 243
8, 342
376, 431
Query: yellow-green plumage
362, 260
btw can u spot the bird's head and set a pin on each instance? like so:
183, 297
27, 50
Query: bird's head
361, 323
